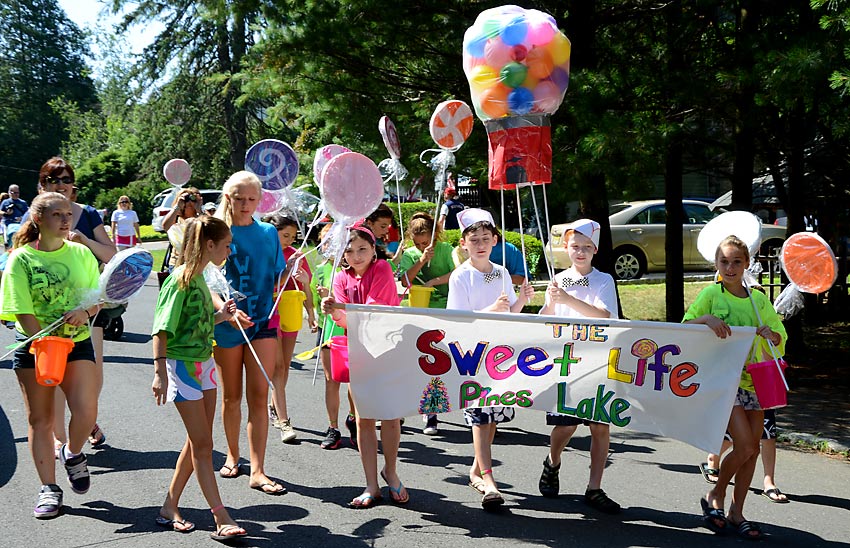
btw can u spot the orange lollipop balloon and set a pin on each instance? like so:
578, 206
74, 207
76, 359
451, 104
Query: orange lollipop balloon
809, 262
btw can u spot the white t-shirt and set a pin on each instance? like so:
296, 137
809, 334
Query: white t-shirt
599, 292
125, 221
471, 289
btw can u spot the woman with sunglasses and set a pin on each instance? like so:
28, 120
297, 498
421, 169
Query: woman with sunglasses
56, 175
125, 225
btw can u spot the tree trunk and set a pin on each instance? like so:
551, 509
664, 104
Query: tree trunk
742, 176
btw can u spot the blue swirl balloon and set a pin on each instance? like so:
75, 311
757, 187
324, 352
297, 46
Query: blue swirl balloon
274, 162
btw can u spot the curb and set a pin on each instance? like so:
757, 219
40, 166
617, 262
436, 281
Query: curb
825, 445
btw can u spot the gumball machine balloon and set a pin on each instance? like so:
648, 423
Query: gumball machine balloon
517, 63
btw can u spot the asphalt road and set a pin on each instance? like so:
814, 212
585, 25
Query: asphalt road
655, 479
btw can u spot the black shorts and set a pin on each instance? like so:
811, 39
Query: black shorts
22, 359
769, 430
559, 419
265, 333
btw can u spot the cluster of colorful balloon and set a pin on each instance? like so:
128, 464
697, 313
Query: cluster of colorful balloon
517, 62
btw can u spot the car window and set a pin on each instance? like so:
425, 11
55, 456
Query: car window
652, 215
616, 208
696, 214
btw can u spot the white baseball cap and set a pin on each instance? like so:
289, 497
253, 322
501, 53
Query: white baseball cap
587, 227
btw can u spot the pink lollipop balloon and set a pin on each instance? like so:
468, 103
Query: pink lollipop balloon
271, 201
351, 186
177, 172
323, 156
390, 136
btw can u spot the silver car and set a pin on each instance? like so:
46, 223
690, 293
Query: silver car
638, 236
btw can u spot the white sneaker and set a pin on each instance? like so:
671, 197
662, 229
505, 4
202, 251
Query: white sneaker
287, 433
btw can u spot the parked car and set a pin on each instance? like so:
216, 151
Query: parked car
638, 237
163, 201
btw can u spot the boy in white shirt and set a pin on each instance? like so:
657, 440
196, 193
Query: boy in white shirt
581, 291
479, 285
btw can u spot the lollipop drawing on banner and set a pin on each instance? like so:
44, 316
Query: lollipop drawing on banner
177, 172
450, 127
517, 64
747, 228
122, 278
391, 168
810, 265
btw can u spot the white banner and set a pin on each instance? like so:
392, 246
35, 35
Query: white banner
674, 380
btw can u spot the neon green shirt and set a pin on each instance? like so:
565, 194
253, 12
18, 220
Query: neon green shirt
47, 284
441, 264
738, 311
187, 317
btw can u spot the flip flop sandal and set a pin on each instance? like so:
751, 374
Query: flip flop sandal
228, 532
365, 501
229, 471
397, 499
745, 528
549, 484
176, 524
478, 485
773, 495
708, 472
710, 516
492, 500
273, 484
94, 440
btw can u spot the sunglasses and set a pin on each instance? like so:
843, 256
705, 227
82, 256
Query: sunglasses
124, 202
59, 180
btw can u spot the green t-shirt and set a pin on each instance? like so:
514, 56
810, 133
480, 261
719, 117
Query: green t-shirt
187, 317
322, 277
738, 311
441, 264
47, 284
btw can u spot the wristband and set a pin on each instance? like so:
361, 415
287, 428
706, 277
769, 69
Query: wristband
160, 358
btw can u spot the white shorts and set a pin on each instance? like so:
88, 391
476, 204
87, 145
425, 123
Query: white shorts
188, 380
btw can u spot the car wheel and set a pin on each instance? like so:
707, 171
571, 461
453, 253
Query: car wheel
628, 264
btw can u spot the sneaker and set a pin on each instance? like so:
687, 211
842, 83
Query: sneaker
273, 419
287, 433
332, 440
78, 471
49, 502
549, 484
430, 425
351, 424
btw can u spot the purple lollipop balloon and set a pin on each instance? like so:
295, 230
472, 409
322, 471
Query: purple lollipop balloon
274, 162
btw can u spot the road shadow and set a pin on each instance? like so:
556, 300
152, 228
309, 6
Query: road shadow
8, 451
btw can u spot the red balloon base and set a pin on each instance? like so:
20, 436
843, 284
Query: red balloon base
520, 151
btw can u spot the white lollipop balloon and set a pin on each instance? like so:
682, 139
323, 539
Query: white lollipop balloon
742, 224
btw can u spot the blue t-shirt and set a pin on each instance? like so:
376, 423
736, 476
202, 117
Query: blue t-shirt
16, 209
255, 261
514, 263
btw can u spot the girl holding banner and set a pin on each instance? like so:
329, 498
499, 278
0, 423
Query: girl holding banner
718, 306
254, 265
368, 279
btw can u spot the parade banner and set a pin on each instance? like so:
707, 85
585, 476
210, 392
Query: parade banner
673, 380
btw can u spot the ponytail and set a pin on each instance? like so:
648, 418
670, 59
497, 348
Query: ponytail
198, 232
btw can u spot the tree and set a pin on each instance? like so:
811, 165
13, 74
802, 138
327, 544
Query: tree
41, 59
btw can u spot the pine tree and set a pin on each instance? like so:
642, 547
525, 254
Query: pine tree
435, 398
